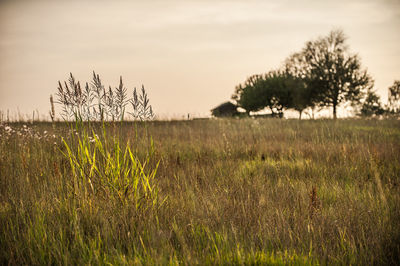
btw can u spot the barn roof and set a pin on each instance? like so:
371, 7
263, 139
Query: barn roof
225, 106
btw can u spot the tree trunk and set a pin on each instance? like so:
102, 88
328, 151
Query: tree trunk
334, 111
300, 112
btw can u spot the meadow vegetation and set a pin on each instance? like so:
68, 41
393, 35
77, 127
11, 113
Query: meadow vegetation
223, 191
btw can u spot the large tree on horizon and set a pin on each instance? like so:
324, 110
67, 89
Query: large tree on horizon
333, 74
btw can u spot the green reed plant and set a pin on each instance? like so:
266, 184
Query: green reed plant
104, 166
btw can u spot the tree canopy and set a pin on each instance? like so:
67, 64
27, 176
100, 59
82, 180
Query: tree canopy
333, 75
270, 90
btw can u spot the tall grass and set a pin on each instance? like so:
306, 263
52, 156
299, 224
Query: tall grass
102, 166
94, 102
203, 192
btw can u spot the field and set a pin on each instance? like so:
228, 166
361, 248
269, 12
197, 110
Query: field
240, 191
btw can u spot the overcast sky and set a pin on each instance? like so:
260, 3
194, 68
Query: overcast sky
188, 54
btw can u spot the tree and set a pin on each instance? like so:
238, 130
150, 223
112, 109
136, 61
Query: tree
300, 95
299, 75
372, 105
276, 92
248, 95
260, 91
394, 98
333, 74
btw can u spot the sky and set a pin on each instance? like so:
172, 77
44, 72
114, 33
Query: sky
189, 55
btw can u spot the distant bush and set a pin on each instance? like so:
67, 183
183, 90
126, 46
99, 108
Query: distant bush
372, 105
394, 98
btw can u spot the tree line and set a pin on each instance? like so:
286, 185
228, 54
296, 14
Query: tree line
323, 74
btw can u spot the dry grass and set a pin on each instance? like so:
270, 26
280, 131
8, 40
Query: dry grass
237, 192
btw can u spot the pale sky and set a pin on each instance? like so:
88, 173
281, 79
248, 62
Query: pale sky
188, 54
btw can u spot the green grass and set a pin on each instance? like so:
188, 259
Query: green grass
264, 191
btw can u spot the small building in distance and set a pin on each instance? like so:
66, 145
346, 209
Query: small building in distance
226, 109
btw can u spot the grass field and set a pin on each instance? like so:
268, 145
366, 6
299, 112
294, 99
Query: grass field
248, 191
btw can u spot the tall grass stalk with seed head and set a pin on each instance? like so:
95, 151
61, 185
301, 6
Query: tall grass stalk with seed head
96, 103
